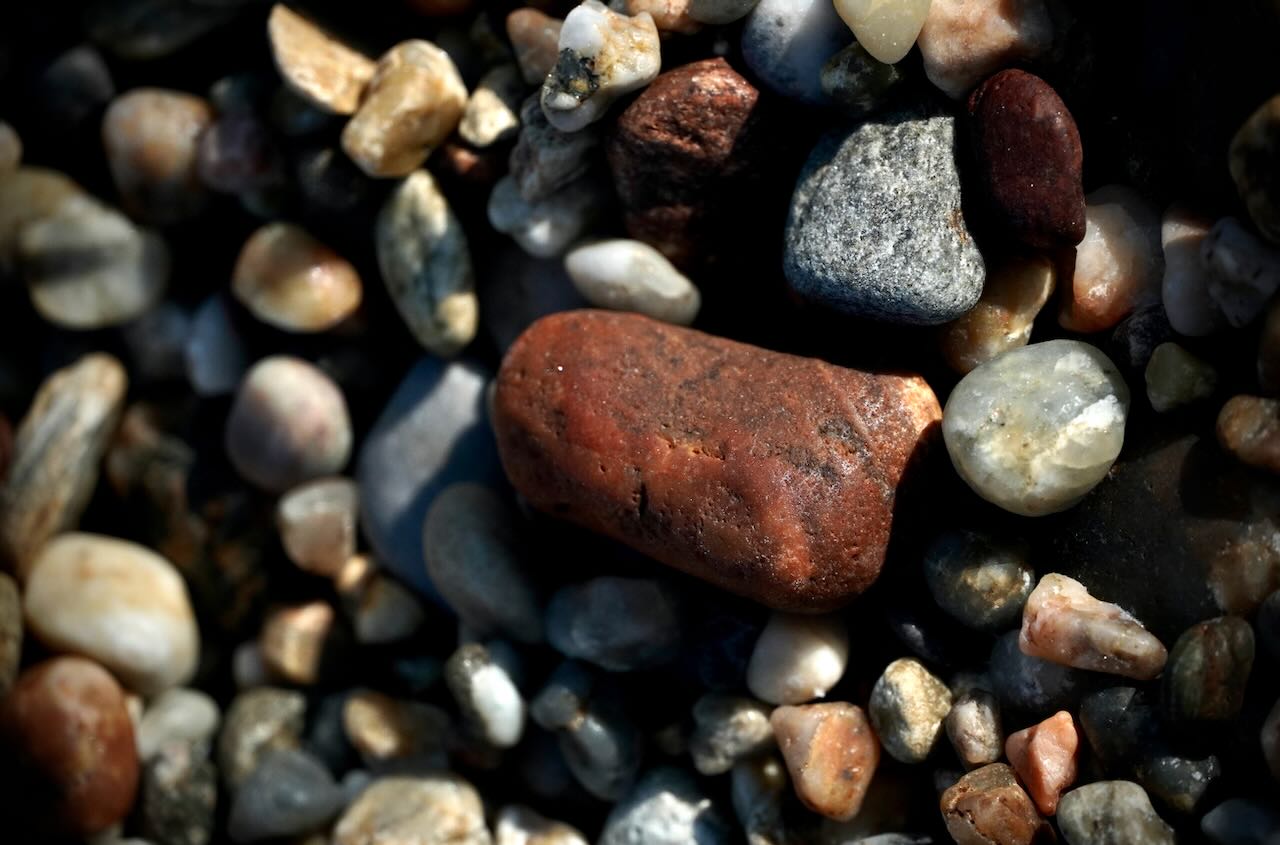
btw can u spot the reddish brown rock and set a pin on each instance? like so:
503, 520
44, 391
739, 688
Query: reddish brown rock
831, 753
987, 807
1046, 758
1249, 428
1029, 158
769, 475
683, 157
67, 745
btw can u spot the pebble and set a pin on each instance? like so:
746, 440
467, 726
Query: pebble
384, 611
831, 753
859, 84
891, 181
1185, 287
1244, 271
433, 432
73, 87
152, 141
290, 280
178, 802
757, 788
535, 40
139, 30
10, 632
69, 747
426, 265
56, 452
886, 30
1176, 378
1253, 162
974, 727
908, 705
178, 715
486, 694
1208, 669
785, 43
546, 227
257, 722
301, 644
963, 42
798, 658
1062, 623
1114, 812
288, 425
1039, 427
157, 343
1240, 821
726, 730
618, 624
517, 825
602, 749
670, 16
215, 355
560, 702
629, 275
665, 807
1179, 782
317, 522
1013, 294
476, 559
1269, 351
685, 157
492, 113
439, 809
116, 602
290, 793
979, 579
1269, 738
413, 102
1027, 683
1046, 759
10, 148
987, 807
392, 733
1119, 264
28, 195
544, 159
327, 73
237, 155
603, 56
612, 374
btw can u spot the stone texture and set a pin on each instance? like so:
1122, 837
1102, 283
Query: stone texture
1255, 167
151, 137
786, 42
831, 753
1185, 287
392, 734
492, 113
178, 801
965, 41
1244, 271
876, 228
292, 281
666, 807
10, 632
859, 84
288, 794
56, 452
317, 523
978, 579
1014, 292
257, 722
908, 705
626, 275
684, 467
329, 74
302, 643
670, 16
486, 694
1046, 759
797, 658
435, 810
544, 159
974, 728
1113, 812
1208, 669
619, 624
546, 227
987, 807
1176, 378
728, 728
118, 603
1249, 428
887, 30
535, 38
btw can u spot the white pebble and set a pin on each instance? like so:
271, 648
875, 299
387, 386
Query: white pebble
628, 275
798, 658
547, 227
886, 28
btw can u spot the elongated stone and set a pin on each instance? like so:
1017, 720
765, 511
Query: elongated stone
769, 475
832, 754
535, 37
328, 73
887, 28
1208, 670
1255, 167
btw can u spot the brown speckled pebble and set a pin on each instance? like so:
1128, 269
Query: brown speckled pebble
987, 807
770, 475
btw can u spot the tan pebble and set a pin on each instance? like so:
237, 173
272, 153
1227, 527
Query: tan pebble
1046, 758
492, 114
831, 753
908, 705
152, 142
987, 807
386, 731
1012, 296
328, 73
887, 30
301, 644
536, 39
517, 825
974, 728
317, 523
1249, 428
438, 809
965, 41
668, 15
290, 280
29, 194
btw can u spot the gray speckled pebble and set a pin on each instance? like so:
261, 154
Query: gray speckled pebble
1112, 812
289, 793
666, 807
876, 229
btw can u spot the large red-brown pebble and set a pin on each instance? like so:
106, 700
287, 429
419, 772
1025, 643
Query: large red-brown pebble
987, 807
683, 157
67, 750
769, 475
1029, 158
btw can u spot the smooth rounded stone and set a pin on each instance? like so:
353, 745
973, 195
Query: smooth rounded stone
302, 644
179, 715
1112, 812
876, 228
1029, 158
56, 453
327, 73
152, 140
1240, 821
1269, 737
382, 610
670, 16
718, 12
317, 522
288, 794
1269, 351
666, 807
1244, 271
907, 706
1255, 167
433, 432
564, 696
980, 580
1178, 782
288, 425
290, 280
963, 42
626, 275
1119, 264
859, 84
987, 807
69, 747
726, 730
426, 265
141, 30
535, 40
439, 809
1176, 378
1027, 683
1046, 759
544, 159
681, 482
785, 43
831, 753
603, 56
413, 102
492, 113
10, 632
1184, 289
10, 148
974, 727
486, 695
517, 825
28, 195
215, 355
1208, 670
602, 748
887, 30
546, 227
116, 602
390, 733
619, 624
798, 658
257, 722
1039, 427
237, 154
477, 562
1062, 623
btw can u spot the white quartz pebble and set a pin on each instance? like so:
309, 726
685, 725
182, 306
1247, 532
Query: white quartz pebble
547, 227
627, 275
798, 658
886, 28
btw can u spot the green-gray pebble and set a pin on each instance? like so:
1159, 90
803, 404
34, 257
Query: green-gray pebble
1114, 812
1207, 671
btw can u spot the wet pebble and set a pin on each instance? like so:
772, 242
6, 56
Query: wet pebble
619, 624
666, 805
1046, 758
486, 694
1208, 669
440, 809
257, 722
908, 705
964, 41
152, 141
798, 658
1013, 294
535, 39
727, 729
288, 794
290, 280
987, 807
1249, 428
327, 73
1244, 271
979, 579
974, 727
1112, 812
831, 753
786, 42
632, 276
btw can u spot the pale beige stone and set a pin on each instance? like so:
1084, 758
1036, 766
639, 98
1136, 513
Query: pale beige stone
492, 114
440, 809
886, 28
288, 279
29, 194
668, 15
389, 731
798, 658
1014, 293
152, 139
908, 705
831, 753
328, 73
517, 825
974, 728
965, 41
317, 523
535, 37
297, 642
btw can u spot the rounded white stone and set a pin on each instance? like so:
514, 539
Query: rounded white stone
627, 275
886, 28
798, 658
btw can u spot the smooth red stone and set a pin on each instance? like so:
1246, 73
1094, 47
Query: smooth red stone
770, 475
1029, 158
